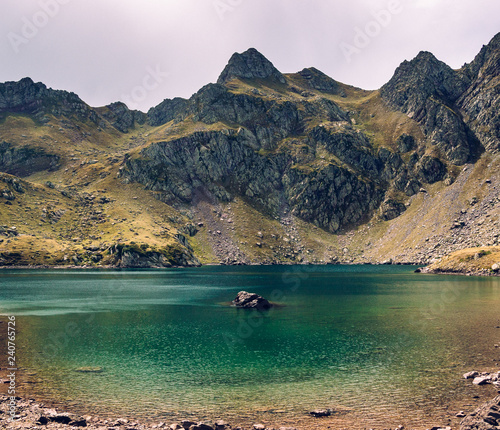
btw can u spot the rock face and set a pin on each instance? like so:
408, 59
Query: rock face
426, 89
250, 64
26, 96
25, 160
133, 256
226, 165
251, 301
480, 103
167, 110
122, 118
35, 99
457, 110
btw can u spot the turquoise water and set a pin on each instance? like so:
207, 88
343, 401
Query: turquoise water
367, 340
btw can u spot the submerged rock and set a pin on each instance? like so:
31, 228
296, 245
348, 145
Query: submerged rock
89, 370
251, 301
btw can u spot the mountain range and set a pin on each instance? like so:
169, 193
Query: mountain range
260, 167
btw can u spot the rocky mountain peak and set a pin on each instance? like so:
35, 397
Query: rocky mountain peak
26, 96
250, 64
480, 103
416, 80
427, 90
486, 63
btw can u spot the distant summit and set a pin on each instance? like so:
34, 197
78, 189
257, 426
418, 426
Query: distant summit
250, 64
423, 77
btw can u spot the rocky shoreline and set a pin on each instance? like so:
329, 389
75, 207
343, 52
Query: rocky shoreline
30, 414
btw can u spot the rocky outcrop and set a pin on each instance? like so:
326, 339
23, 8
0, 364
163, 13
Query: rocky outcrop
332, 198
168, 110
406, 143
415, 81
122, 118
226, 164
426, 89
317, 80
487, 417
457, 110
36, 99
268, 121
390, 209
136, 256
13, 182
480, 103
352, 147
251, 301
250, 64
25, 160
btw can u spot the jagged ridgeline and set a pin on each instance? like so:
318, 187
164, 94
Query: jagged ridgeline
260, 167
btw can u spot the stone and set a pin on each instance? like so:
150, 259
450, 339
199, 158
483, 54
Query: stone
89, 370
186, 424
201, 426
221, 425
42, 420
490, 420
321, 413
79, 422
259, 427
391, 209
481, 380
406, 143
471, 375
251, 301
60, 418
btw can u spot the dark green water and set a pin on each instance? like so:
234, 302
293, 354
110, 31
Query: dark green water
376, 340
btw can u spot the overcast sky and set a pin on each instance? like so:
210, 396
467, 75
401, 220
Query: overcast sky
143, 51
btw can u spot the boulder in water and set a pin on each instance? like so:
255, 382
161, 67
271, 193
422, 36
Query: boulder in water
251, 301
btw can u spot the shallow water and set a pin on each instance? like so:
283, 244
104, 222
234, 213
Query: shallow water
373, 341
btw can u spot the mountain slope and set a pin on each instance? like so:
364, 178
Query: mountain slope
261, 167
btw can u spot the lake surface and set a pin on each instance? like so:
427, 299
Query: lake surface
370, 341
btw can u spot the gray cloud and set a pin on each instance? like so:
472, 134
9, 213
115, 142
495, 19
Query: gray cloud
143, 52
